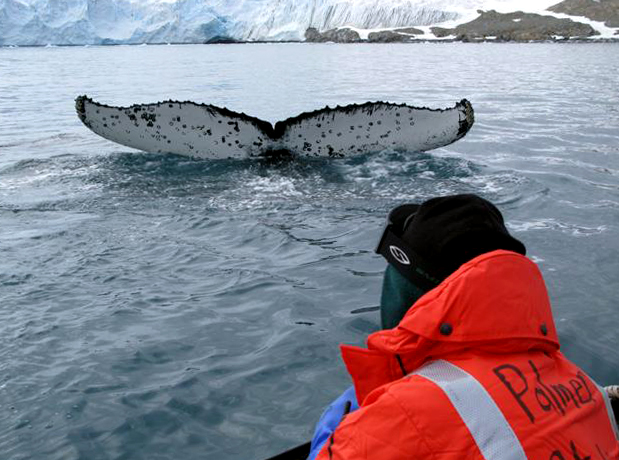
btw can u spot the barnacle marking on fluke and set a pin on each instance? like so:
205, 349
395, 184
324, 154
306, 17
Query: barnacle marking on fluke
79, 105
469, 117
265, 126
281, 126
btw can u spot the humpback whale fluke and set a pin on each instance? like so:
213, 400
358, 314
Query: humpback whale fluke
207, 131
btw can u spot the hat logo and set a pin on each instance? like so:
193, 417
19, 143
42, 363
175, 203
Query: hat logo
399, 255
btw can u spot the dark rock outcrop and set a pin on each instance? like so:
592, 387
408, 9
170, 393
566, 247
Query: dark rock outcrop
409, 30
606, 11
346, 35
391, 36
334, 35
516, 26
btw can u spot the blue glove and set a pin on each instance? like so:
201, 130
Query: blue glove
331, 418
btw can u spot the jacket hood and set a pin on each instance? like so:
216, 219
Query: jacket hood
496, 303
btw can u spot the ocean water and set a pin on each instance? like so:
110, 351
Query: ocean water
159, 307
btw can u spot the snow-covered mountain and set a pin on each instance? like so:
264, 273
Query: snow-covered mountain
42, 22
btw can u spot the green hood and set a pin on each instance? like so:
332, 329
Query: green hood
398, 295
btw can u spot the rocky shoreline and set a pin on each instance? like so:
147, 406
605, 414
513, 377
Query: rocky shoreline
498, 27
472, 36
606, 11
489, 26
516, 26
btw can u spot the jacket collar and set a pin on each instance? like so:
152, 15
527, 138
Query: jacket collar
495, 303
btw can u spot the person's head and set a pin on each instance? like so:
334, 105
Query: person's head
426, 243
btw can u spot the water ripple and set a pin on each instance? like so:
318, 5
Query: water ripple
156, 306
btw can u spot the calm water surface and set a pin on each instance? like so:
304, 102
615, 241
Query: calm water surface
157, 307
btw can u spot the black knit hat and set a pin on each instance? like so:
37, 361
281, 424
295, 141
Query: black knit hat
428, 242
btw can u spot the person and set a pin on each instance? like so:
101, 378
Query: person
467, 364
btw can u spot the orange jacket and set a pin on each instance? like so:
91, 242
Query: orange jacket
490, 322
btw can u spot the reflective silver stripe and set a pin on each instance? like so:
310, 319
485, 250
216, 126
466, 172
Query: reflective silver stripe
494, 436
609, 408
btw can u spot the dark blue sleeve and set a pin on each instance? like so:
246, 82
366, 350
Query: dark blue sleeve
330, 419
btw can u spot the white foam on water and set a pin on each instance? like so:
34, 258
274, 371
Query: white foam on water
490, 184
553, 224
273, 186
28, 176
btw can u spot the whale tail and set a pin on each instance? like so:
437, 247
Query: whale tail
207, 131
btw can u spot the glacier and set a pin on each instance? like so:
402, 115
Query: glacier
93, 22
